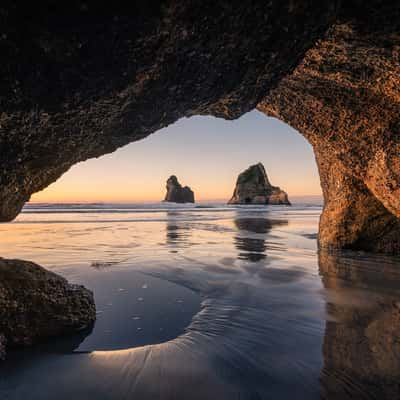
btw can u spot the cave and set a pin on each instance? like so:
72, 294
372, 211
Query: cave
80, 80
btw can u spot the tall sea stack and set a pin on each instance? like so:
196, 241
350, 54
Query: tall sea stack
176, 193
253, 187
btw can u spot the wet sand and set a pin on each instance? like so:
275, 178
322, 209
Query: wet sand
195, 303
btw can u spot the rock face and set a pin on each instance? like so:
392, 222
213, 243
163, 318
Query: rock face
2, 347
36, 304
348, 88
64, 100
253, 187
328, 68
176, 193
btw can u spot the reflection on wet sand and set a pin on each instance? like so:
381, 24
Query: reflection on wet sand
177, 233
254, 247
268, 327
248, 341
362, 341
251, 249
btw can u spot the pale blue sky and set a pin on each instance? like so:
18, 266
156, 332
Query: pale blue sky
205, 153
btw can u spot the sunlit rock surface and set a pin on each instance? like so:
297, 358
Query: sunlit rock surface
177, 193
36, 304
253, 187
344, 97
328, 68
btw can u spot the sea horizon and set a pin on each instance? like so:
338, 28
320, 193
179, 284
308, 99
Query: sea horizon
200, 200
187, 282
293, 199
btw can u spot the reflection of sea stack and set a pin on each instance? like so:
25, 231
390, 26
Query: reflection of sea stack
254, 247
176, 193
253, 187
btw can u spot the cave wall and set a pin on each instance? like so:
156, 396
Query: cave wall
80, 80
344, 97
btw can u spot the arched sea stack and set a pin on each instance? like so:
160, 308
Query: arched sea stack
177, 193
253, 187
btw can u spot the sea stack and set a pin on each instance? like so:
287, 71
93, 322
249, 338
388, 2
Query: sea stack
176, 193
253, 187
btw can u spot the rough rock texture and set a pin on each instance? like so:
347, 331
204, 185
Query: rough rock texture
176, 193
345, 99
79, 80
2, 347
36, 304
361, 344
253, 187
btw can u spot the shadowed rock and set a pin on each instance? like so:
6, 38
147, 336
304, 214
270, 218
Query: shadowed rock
176, 193
65, 99
2, 347
36, 304
253, 187
328, 68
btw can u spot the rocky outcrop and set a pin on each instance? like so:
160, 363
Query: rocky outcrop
328, 68
36, 304
253, 187
176, 193
344, 97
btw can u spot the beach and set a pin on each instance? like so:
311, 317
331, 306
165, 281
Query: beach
206, 301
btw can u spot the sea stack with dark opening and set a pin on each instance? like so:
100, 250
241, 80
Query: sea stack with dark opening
253, 187
176, 193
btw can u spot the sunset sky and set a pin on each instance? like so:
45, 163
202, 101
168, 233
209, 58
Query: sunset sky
205, 153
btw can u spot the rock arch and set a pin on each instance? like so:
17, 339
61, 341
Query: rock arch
82, 80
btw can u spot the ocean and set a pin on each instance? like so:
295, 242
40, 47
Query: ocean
207, 301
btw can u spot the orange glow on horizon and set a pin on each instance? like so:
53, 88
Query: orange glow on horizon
68, 192
205, 153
